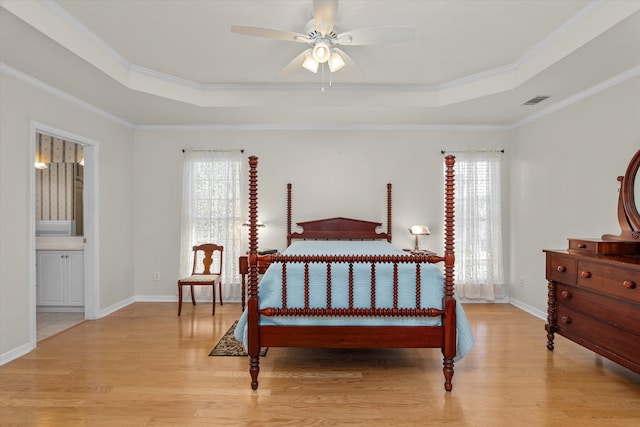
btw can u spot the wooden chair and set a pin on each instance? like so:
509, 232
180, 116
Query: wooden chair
206, 277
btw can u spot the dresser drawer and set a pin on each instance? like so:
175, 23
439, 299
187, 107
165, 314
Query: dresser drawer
612, 280
605, 339
611, 311
598, 246
583, 245
561, 268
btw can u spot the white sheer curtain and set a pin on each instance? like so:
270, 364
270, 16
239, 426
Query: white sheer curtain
478, 238
211, 213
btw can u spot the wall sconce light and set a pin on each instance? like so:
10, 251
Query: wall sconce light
39, 164
419, 230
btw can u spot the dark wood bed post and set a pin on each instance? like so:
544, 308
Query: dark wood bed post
449, 303
288, 214
252, 304
389, 225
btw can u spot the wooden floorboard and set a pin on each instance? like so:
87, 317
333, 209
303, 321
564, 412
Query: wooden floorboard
145, 366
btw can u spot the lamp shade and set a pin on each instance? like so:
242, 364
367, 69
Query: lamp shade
321, 52
335, 62
310, 64
419, 230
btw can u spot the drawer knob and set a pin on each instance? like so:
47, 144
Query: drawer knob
586, 274
629, 284
566, 294
562, 268
566, 320
582, 246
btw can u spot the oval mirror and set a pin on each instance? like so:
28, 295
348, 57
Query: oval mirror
631, 192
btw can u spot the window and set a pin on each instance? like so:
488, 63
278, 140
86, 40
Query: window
211, 211
478, 238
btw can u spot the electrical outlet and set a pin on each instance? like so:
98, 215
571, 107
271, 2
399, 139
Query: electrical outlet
521, 282
156, 276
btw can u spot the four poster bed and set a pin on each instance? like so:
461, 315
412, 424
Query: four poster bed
341, 284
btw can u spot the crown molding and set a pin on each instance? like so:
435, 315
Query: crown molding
25, 78
620, 78
329, 128
45, 87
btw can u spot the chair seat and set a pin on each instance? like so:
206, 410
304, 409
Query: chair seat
198, 278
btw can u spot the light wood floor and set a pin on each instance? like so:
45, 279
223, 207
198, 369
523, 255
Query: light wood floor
143, 365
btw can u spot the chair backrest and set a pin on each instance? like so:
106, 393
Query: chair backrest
205, 253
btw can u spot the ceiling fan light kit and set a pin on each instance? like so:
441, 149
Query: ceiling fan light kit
321, 52
335, 62
323, 39
310, 64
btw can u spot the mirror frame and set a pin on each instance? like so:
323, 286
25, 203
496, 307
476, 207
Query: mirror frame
631, 178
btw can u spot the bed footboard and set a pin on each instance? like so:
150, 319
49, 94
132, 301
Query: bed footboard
442, 335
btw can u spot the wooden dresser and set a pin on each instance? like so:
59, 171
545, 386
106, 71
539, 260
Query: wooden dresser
594, 286
594, 300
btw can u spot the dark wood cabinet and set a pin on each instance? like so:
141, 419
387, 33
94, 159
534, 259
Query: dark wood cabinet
594, 300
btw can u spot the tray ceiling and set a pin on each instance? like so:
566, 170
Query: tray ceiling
176, 63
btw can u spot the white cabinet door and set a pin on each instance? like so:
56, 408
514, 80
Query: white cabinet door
60, 278
51, 277
75, 277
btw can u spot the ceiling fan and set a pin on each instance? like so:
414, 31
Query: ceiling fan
323, 39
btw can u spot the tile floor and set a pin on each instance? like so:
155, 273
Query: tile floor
48, 324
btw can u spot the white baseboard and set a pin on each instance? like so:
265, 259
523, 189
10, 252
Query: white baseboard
481, 301
117, 306
529, 309
158, 298
174, 298
15, 353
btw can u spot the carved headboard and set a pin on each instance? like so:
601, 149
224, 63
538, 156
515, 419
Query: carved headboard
339, 228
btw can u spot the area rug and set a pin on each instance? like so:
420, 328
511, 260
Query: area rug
230, 346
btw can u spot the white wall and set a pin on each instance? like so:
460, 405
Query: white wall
19, 105
333, 174
563, 180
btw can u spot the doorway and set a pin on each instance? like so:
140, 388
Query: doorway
64, 230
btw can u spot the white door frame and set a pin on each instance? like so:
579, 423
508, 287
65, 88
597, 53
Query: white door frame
90, 208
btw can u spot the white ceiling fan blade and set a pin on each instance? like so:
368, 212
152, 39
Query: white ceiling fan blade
376, 35
270, 33
324, 15
293, 66
351, 67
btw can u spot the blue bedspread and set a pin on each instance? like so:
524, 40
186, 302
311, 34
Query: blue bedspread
270, 290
